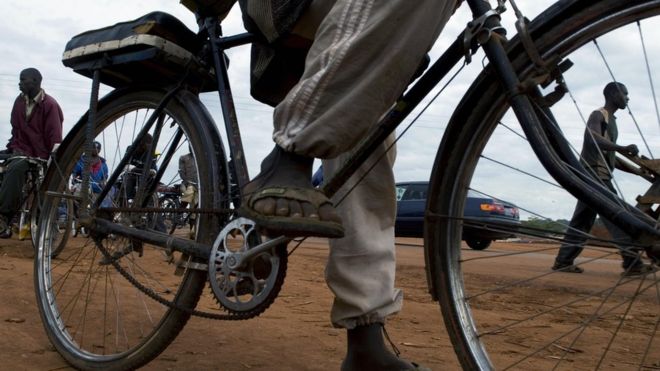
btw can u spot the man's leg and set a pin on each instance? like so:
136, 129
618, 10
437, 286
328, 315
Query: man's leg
581, 223
363, 56
361, 266
129, 188
632, 260
623, 241
11, 193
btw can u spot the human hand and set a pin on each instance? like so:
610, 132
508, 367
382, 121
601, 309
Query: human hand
647, 175
631, 150
561, 88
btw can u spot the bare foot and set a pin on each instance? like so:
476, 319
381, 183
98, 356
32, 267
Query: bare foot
282, 199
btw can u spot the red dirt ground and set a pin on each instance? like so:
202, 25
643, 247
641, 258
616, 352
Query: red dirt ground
294, 334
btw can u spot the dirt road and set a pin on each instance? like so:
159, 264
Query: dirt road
295, 333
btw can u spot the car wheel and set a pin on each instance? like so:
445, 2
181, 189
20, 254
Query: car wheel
478, 244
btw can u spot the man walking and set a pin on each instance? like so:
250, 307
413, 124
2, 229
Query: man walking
599, 157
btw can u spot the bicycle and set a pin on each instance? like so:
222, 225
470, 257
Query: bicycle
169, 197
28, 214
246, 271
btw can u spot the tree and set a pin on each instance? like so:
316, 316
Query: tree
553, 226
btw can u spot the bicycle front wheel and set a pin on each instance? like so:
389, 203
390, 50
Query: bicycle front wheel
505, 307
111, 302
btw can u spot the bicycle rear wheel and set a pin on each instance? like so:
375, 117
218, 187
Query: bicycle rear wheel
62, 226
103, 313
504, 307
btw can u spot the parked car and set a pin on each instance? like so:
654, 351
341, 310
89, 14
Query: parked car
411, 202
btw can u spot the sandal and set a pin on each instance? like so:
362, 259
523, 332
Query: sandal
639, 270
418, 367
292, 226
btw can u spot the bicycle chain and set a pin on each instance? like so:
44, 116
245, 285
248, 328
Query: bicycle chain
232, 316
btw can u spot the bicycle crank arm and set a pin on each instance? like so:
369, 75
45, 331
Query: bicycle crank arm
168, 242
236, 261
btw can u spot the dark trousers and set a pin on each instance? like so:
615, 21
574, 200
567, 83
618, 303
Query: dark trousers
11, 189
582, 221
129, 192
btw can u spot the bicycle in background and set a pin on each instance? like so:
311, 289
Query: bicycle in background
28, 215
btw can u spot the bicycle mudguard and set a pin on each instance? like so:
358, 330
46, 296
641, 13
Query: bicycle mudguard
153, 49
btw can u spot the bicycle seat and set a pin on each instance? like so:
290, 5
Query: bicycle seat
159, 24
155, 48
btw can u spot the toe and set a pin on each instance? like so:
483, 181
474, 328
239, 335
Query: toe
328, 213
265, 206
282, 208
295, 210
309, 211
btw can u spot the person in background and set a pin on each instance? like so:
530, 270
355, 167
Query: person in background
36, 131
132, 178
98, 174
599, 158
188, 174
139, 160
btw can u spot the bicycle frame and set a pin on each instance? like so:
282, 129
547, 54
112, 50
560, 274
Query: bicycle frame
485, 31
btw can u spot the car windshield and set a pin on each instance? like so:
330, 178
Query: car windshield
410, 192
415, 192
475, 194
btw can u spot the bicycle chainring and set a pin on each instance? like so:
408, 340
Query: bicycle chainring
250, 289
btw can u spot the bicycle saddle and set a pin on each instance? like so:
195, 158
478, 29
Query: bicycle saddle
158, 24
155, 49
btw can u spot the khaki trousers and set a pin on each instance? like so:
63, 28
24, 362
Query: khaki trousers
362, 58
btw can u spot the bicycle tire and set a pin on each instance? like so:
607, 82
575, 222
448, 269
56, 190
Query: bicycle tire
64, 224
33, 215
467, 296
94, 317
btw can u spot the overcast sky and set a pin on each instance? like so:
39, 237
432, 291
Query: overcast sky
34, 33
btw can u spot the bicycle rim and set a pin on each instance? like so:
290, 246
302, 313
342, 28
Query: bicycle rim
504, 307
61, 228
94, 315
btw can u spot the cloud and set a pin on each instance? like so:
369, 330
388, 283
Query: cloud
36, 31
